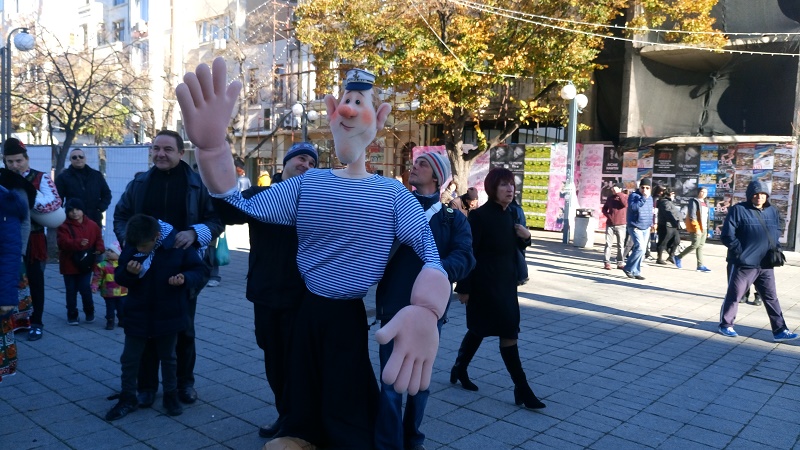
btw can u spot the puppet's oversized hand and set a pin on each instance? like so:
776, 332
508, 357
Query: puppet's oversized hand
416, 338
206, 105
416, 341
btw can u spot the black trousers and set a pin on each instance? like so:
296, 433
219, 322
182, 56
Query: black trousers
184, 350
35, 273
332, 392
132, 356
668, 239
273, 329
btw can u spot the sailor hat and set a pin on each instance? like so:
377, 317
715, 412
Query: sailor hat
359, 80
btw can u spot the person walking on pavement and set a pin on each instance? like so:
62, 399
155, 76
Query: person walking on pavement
750, 231
170, 191
490, 290
697, 225
615, 209
86, 184
669, 218
274, 284
639, 221
451, 232
46, 212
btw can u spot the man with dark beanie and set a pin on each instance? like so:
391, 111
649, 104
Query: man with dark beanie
171, 192
750, 231
274, 284
640, 219
47, 206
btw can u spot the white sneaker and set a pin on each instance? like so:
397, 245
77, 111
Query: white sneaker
213, 283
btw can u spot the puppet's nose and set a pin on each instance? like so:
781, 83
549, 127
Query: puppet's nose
346, 111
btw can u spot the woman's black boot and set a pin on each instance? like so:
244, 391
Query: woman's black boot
469, 346
522, 391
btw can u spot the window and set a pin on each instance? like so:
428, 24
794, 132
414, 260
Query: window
215, 28
118, 31
85, 30
119, 2
278, 90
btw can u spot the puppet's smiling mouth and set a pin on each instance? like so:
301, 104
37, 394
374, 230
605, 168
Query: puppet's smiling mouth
346, 127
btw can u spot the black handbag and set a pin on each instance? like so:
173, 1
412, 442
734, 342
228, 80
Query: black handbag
774, 257
82, 259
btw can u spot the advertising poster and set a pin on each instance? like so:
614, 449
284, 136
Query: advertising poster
612, 161
646, 158
607, 188
783, 159
725, 182
764, 157
591, 179
500, 155
781, 183
480, 168
536, 179
687, 160
727, 158
664, 165
554, 217
630, 170
744, 157
709, 159
685, 186
742, 179
765, 176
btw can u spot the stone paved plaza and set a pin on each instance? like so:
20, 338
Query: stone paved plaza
620, 364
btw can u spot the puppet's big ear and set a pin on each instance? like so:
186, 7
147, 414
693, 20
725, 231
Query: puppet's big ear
330, 105
382, 114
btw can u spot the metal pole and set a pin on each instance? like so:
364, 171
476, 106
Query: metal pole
572, 132
304, 120
5, 104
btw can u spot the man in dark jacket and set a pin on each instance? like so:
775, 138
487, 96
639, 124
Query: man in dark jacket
453, 238
170, 191
86, 184
616, 211
669, 219
640, 219
274, 284
750, 230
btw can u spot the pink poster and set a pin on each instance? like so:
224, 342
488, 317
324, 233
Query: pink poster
591, 164
554, 217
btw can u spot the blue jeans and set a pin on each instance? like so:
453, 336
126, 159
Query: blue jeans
639, 239
394, 430
75, 284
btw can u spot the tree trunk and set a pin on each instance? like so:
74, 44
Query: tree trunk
63, 151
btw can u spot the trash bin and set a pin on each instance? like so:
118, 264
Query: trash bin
585, 226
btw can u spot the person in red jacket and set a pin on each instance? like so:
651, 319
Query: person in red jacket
616, 212
80, 236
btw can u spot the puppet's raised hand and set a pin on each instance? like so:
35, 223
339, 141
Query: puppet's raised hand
416, 338
206, 105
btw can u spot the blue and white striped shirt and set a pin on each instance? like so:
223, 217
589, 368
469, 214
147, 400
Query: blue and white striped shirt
345, 227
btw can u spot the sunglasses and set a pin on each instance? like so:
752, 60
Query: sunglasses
74, 157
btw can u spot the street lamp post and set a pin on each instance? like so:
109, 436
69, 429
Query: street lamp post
576, 105
24, 42
299, 111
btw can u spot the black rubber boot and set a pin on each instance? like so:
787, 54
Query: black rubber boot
522, 391
469, 346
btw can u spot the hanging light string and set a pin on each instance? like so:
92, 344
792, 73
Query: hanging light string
618, 38
621, 27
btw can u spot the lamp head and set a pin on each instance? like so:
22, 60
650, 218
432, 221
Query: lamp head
297, 110
312, 115
24, 41
581, 100
568, 92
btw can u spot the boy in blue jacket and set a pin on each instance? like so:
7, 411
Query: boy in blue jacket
158, 276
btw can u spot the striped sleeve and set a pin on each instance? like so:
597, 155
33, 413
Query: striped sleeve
203, 234
413, 230
277, 205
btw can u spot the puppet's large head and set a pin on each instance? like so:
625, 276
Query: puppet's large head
356, 118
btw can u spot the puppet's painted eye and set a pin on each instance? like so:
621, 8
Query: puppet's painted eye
347, 101
358, 102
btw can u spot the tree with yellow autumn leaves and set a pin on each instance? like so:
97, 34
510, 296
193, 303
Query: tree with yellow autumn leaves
467, 62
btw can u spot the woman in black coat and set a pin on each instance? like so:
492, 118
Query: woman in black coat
490, 291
